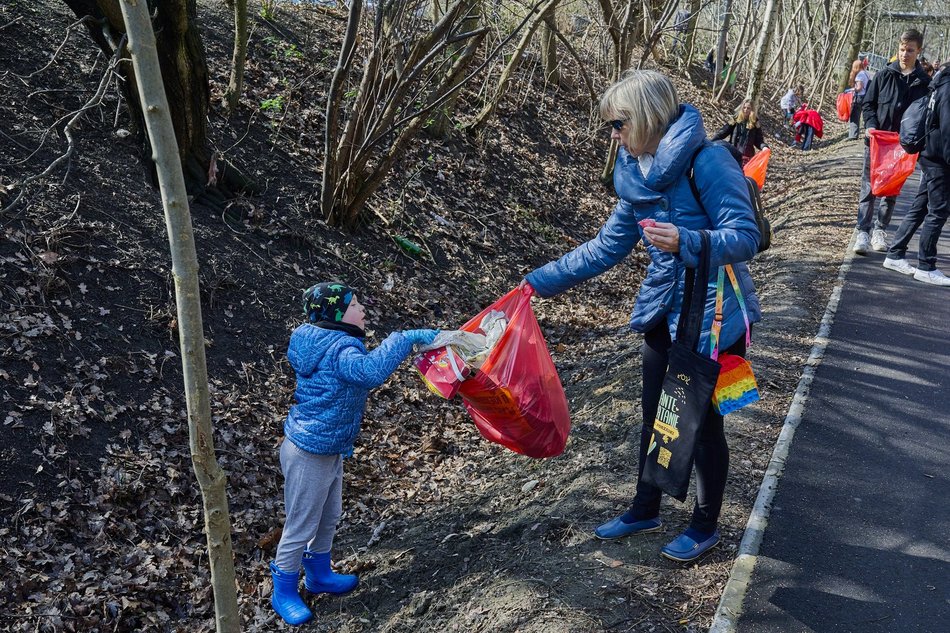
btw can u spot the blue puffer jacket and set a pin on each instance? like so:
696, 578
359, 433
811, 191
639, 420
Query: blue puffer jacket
334, 376
665, 195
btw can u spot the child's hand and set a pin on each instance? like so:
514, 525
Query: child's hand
421, 337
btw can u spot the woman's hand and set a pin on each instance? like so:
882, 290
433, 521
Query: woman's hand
664, 236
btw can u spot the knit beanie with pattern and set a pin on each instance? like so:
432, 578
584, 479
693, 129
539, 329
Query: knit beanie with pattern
327, 302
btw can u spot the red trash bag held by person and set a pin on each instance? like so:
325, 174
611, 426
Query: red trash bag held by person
843, 103
516, 398
757, 166
890, 164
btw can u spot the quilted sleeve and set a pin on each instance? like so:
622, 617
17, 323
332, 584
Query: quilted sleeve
725, 195
724, 132
371, 369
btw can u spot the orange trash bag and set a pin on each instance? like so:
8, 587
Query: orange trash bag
843, 103
890, 164
516, 398
757, 166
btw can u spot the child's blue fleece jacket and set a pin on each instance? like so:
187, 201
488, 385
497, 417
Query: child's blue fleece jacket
334, 376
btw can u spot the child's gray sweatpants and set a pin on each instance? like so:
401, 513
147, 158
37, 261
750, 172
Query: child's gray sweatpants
313, 500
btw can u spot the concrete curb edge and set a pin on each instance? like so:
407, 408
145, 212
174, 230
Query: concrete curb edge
730, 605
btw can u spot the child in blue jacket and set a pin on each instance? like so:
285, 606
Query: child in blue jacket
334, 375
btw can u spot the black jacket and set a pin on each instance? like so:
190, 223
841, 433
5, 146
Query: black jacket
889, 94
938, 140
744, 139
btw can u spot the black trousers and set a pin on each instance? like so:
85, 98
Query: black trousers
930, 209
854, 121
712, 452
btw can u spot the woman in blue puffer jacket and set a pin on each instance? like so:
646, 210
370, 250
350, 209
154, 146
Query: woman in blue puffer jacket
659, 138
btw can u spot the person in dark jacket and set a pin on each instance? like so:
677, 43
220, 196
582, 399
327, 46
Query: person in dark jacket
743, 131
931, 205
334, 375
890, 92
659, 138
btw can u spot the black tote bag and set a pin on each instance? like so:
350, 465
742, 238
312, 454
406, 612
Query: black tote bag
687, 391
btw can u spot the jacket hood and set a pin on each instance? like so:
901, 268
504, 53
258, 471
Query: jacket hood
682, 138
311, 344
940, 78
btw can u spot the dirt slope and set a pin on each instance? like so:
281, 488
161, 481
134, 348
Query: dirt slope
99, 513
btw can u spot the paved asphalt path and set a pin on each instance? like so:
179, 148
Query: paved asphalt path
859, 534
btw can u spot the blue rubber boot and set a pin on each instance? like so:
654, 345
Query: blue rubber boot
320, 578
286, 599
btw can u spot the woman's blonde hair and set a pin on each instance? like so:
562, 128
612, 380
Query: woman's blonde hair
753, 117
646, 100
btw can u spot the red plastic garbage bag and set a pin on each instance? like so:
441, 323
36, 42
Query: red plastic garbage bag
516, 398
843, 103
890, 164
757, 166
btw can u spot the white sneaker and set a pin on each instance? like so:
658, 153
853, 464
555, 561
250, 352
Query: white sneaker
879, 240
933, 277
900, 265
861, 243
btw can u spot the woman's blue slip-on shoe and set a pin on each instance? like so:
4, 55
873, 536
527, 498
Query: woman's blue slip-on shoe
617, 528
684, 549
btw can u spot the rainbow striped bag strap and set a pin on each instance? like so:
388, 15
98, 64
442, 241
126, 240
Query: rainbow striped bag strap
736, 386
717, 320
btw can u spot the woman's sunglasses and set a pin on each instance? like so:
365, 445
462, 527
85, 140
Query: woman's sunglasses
618, 124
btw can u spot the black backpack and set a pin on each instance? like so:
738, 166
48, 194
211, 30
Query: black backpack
765, 227
918, 122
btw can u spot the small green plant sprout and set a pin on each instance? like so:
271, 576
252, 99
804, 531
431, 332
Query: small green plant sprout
292, 52
268, 9
274, 105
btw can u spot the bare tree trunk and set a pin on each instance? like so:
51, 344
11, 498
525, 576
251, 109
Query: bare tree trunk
837, 52
581, 64
366, 187
492, 104
694, 7
211, 478
733, 69
552, 71
651, 45
721, 44
782, 46
857, 35
331, 166
619, 27
401, 85
442, 119
236, 85
184, 69
757, 72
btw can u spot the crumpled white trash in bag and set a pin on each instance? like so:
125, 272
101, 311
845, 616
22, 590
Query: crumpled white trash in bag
450, 358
